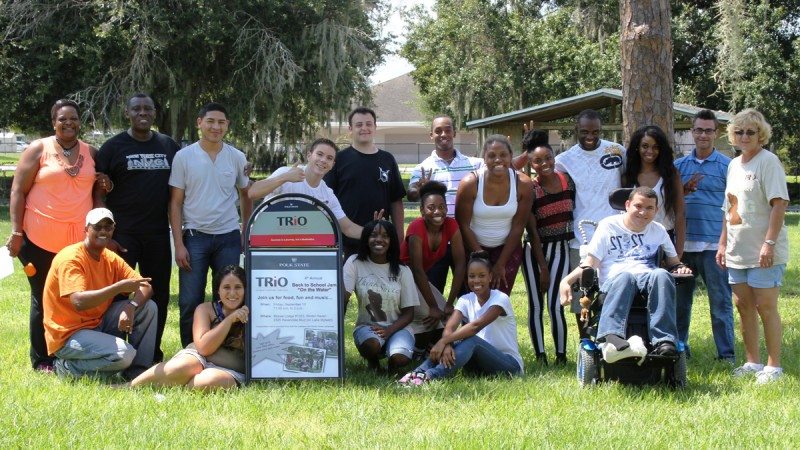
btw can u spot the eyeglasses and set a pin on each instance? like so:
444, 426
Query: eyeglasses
703, 130
750, 133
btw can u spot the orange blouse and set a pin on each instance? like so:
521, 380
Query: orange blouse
57, 204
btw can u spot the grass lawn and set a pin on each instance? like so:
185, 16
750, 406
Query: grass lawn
545, 408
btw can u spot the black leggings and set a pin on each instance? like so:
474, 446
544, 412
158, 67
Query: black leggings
41, 259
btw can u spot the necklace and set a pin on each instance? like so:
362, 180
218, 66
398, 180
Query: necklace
74, 169
67, 151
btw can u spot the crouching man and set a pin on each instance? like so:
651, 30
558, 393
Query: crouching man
624, 249
85, 329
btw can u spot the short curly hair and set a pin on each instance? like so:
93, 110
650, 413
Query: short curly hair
753, 118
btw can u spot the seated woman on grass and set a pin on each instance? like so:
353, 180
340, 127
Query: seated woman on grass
386, 297
427, 240
216, 357
320, 157
486, 344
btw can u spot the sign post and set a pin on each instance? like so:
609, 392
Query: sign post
293, 265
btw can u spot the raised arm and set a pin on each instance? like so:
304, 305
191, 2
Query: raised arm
262, 188
206, 339
84, 300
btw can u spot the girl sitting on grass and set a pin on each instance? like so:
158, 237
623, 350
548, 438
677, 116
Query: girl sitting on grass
386, 296
216, 357
486, 344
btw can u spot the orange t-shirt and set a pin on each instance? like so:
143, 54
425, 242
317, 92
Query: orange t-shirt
74, 270
56, 205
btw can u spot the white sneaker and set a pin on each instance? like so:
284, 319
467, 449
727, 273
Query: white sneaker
637, 344
768, 375
636, 349
747, 369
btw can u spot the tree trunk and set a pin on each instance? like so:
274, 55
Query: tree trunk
646, 60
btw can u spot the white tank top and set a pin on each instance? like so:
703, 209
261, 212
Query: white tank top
491, 224
661, 216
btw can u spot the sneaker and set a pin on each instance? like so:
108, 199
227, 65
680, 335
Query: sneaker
61, 368
747, 369
636, 349
768, 375
413, 379
665, 348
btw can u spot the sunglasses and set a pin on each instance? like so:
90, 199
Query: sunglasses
750, 133
703, 130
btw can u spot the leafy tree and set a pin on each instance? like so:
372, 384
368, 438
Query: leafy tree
282, 68
478, 58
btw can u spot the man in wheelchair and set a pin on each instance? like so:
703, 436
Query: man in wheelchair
625, 249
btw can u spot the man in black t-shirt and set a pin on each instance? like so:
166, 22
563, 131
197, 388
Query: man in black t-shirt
138, 161
366, 179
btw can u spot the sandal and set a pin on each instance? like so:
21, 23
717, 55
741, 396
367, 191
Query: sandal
413, 379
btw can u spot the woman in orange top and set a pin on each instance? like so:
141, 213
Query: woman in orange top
51, 194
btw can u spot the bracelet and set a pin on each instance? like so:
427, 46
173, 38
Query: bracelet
17, 233
135, 305
112, 186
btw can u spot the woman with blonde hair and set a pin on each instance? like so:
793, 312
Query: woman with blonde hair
754, 245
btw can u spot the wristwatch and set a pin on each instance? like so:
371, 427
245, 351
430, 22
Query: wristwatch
769, 242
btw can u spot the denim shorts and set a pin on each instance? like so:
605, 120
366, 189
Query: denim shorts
401, 342
758, 277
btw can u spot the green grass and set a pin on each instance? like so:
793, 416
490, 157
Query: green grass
545, 408
9, 159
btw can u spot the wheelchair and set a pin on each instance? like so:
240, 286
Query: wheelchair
591, 367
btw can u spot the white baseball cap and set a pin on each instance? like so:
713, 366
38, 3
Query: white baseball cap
96, 215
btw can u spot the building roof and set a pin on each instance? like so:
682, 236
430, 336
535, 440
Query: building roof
398, 100
570, 107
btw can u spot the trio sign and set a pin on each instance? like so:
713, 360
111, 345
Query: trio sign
293, 265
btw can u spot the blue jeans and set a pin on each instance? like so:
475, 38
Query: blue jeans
104, 350
474, 354
620, 291
719, 299
206, 251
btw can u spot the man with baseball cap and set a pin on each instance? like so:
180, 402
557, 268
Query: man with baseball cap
85, 329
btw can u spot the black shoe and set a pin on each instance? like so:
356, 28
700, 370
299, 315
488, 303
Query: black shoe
561, 359
665, 348
541, 358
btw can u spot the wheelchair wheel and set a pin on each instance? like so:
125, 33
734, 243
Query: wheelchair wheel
587, 367
679, 376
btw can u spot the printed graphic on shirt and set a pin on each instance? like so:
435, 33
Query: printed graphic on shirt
375, 307
612, 159
383, 175
148, 161
631, 247
735, 219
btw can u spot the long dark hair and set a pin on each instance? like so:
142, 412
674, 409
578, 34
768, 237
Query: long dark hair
663, 163
392, 253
